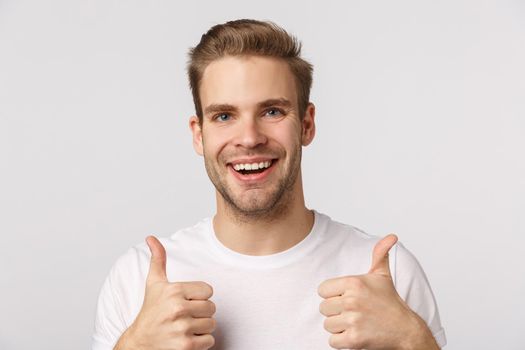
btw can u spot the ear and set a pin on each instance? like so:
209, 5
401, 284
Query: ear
196, 131
308, 125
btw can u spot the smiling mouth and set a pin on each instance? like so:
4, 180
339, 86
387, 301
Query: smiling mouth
252, 168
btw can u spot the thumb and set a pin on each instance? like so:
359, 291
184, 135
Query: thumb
157, 267
380, 263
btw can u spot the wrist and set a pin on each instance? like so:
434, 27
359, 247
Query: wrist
127, 341
419, 336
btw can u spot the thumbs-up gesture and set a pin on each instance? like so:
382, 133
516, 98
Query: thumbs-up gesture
174, 315
365, 312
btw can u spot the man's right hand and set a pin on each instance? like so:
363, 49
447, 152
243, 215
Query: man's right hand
174, 316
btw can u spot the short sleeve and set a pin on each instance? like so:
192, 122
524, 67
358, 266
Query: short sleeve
412, 285
120, 299
109, 323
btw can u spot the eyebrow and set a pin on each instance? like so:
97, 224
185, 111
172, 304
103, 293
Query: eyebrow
224, 107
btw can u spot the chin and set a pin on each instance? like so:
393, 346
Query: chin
257, 207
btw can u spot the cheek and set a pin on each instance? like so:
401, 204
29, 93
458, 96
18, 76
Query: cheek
288, 137
213, 142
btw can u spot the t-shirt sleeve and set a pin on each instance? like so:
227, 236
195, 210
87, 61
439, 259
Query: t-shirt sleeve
412, 285
110, 318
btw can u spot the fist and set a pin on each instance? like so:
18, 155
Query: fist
174, 315
365, 312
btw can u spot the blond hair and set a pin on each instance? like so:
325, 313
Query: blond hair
249, 37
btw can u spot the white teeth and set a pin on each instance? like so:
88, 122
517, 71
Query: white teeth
252, 166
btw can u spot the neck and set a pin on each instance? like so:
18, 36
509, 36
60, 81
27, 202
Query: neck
266, 234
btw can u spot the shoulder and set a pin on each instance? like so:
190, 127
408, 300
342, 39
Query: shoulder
134, 262
341, 234
131, 268
346, 246
356, 246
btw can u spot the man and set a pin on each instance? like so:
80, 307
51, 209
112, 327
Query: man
265, 272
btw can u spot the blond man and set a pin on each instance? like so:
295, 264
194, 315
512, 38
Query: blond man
265, 272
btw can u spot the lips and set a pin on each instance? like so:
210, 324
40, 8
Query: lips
252, 170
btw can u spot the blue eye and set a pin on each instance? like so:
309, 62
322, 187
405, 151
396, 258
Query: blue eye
274, 112
222, 117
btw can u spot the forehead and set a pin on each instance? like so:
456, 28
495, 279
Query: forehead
244, 81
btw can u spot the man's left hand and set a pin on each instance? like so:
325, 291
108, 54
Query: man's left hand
366, 312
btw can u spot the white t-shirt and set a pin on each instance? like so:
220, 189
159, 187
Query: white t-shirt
262, 302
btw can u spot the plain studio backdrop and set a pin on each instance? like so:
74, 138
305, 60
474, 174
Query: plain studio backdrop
420, 131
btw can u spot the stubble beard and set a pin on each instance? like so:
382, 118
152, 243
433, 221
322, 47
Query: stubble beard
271, 208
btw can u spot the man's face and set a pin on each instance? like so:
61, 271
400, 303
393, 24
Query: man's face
251, 134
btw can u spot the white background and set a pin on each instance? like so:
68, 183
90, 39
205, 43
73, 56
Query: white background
420, 115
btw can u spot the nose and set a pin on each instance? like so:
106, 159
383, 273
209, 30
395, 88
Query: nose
249, 134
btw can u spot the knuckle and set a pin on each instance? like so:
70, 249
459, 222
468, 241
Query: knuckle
352, 321
359, 319
350, 338
354, 340
177, 288
355, 284
179, 310
349, 303
187, 343
181, 327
